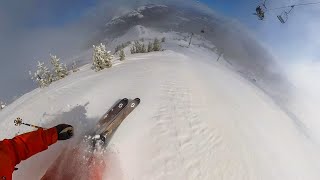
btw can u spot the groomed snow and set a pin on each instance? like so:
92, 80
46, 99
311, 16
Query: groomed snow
197, 120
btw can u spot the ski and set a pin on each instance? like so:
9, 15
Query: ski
106, 135
108, 117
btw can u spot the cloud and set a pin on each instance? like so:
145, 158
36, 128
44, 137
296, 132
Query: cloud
107, 9
306, 98
30, 30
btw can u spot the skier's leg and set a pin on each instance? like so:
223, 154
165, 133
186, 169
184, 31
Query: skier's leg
97, 167
76, 164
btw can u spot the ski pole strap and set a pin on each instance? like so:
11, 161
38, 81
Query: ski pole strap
18, 122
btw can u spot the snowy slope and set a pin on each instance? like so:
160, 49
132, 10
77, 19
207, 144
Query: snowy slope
197, 120
238, 45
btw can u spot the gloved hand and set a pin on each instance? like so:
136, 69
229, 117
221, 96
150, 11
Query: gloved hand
65, 131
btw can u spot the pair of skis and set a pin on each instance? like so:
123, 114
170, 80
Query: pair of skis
111, 120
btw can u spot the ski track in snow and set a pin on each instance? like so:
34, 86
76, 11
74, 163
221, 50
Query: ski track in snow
180, 129
183, 142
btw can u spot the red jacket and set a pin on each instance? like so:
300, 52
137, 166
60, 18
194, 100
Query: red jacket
13, 151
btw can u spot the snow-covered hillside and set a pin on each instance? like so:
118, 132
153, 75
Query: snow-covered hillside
197, 120
238, 45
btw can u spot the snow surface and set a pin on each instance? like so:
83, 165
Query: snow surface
197, 120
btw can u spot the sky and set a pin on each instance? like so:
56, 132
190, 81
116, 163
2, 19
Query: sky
295, 44
39, 13
30, 31
283, 39
33, 29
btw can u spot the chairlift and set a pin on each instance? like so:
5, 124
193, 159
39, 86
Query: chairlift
264, 4
259, 13
283, 17
260, 10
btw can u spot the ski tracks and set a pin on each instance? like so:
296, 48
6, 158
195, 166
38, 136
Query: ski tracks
182, 142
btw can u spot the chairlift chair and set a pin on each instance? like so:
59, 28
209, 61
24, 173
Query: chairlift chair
283, 17
260, 11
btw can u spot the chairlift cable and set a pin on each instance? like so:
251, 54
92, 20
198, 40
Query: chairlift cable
300, 4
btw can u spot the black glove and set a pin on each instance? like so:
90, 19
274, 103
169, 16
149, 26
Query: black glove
65, 131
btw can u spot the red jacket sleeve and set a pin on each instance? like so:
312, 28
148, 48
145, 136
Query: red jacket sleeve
13, 151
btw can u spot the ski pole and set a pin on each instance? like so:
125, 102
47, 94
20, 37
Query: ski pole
18, 122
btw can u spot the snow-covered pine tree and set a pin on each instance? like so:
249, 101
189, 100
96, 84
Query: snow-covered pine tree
74, 67
42, 76
156, 45
121, 46
107, 60
122, 55
143, 49
60, 70
2, 105
150, 47
132, 50
98, 56
101, 57
138, 47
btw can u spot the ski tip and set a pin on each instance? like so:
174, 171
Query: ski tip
137, 99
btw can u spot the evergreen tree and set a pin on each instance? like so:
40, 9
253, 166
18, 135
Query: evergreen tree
122, 55
2, 105
132, 50
138, 47
74, 67
122, 46
150, 47
60, 70
42, 76
143, 49
156, 45
163, 39
101, 57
